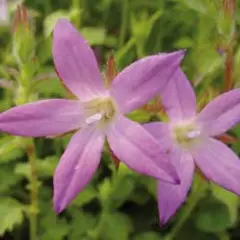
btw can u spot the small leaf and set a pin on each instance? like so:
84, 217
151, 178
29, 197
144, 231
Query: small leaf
7, 178
11, 214
45, 167
213, 217
11, 148
229, 199
52, 227
81, 224
88, 194
117, 227
94, 35
51, 20
139, 115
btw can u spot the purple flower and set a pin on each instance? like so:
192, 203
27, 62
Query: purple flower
98, 112
189, 138
4, 18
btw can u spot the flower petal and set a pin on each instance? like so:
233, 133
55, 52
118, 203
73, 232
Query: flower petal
75, 62
161, 132
4, 18
219, 164
42, 118
178, 98
142, 80
221, 114
171, 197
77, 166
139, 150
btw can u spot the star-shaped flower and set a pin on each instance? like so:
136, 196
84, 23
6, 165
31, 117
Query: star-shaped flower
190, 140
98, 112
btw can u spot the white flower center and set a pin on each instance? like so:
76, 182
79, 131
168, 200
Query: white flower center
186, 134
101, 110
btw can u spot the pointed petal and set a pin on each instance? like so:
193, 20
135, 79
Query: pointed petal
171, 197
77, 166
221, 114
144, 79
178, 98
75, 62
42, 118
139, 150
219, 164
161, 132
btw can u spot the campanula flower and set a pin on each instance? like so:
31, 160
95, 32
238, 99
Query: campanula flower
4, 18
97, 113
190, 141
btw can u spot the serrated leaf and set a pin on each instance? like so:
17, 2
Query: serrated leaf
11, 148
11, 214
7, 178
45, 167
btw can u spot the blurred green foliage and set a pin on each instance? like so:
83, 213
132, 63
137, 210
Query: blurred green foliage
115, 205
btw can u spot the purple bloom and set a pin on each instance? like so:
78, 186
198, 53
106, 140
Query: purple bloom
189, 138
4, 18
99, 112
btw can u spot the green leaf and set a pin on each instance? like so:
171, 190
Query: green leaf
11, 148
50, 87
213, 216
7, 178
51, 20
85, 196
114, 193
52, 227
229, 199
45, 167
11, 214
94, 35
23, 169
150, 184
105, 189
81, 224
117, 226
139, 115
121, 190
142, 25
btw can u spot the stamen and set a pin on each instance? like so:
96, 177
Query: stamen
193, 134
94, 118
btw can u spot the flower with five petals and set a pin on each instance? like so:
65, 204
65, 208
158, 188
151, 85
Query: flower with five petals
189, 140
98, 112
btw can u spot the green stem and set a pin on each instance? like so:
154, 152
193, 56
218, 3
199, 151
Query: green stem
34, 190
123, 30
76, 4
193, 199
